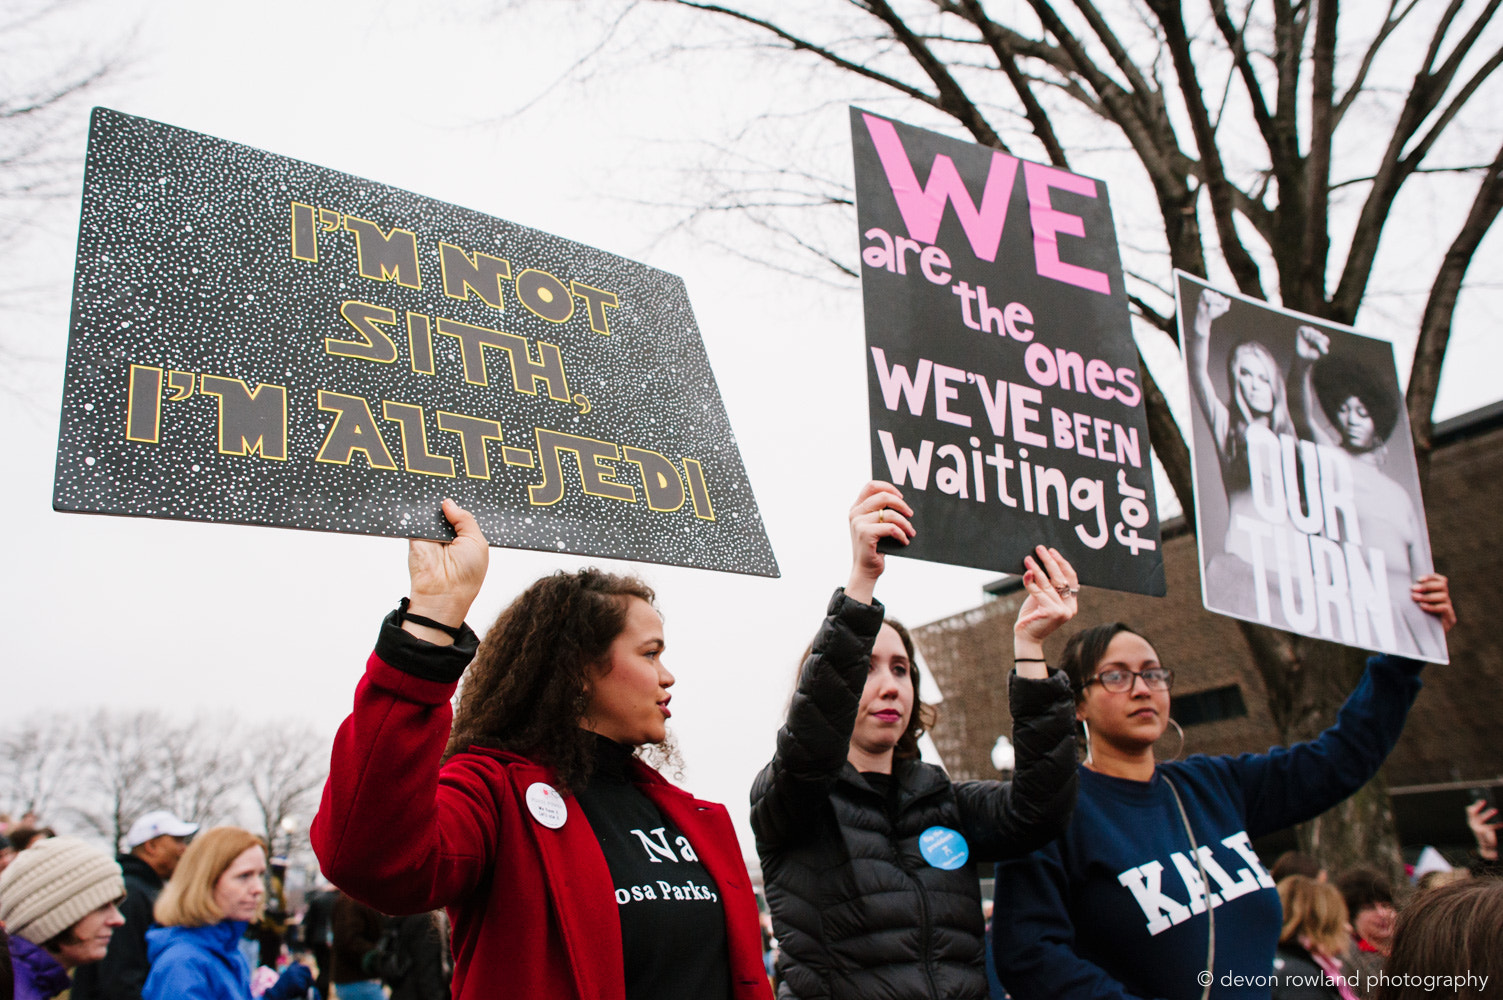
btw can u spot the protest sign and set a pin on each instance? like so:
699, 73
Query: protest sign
1307, 496
1003, 382
260, 340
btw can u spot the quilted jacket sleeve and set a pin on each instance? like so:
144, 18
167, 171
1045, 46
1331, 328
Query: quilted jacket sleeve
813, 743
1010, 819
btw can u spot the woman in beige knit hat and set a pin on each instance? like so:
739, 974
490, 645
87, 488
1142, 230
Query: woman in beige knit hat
57, 902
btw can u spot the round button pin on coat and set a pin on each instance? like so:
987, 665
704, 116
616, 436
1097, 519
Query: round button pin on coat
944, 848
546, 805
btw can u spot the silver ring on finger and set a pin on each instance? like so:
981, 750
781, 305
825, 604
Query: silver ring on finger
1062, 590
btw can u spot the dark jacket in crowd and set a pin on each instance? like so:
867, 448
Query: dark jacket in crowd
419, 966
318, 932
122, 972
357, 928
1297, 976
857, 909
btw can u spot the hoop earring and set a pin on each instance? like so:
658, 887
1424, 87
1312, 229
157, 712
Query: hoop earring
1087, 730
1181, 730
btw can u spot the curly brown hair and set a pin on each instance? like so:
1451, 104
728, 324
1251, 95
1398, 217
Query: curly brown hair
529, 685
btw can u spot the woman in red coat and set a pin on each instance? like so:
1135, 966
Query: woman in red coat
569, 867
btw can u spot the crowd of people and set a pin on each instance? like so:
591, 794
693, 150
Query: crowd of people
479, 845
182, 913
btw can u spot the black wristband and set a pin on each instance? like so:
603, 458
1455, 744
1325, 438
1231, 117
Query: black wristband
452, 631
1029, 659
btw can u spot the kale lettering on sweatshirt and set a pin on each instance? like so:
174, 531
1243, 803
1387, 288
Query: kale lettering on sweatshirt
1117, 907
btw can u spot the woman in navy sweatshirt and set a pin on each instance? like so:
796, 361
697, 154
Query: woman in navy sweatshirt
1154, 890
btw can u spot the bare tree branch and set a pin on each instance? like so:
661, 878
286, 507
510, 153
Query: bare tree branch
1304, 285
1428, 89
803, 45
1391, 22
1007, 60
1244, 269
952, 97
1435, 324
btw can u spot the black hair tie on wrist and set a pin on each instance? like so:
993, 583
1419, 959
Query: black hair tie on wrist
1029, 659
452, 631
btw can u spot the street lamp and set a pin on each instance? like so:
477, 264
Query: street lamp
1004, 757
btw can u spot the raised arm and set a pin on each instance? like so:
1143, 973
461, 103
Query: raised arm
390, 830
812, 745
1289, 785
1310, 345
1053, 598
446, 576
1211, 307
1008, 819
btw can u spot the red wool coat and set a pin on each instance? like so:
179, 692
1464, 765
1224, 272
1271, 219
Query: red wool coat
533, 909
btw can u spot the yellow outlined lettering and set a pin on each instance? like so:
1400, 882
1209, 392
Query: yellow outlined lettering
250, 422
304, 233
375, 343
596, 299
385, 256
143, 405
415, 454
480, 274
473, 433
525, 373
695, 473
544, 296
660, 479
420, 342
354, 429
181, 384
596, 479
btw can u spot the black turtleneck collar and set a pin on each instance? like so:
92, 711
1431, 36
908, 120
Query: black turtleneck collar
612, 761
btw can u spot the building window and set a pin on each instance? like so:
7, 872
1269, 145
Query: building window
1208, 706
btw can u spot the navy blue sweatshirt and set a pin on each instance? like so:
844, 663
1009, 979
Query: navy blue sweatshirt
1116, 908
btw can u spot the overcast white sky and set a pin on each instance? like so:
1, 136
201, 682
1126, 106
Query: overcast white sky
265, 622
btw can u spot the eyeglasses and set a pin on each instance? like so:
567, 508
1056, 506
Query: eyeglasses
1119, 680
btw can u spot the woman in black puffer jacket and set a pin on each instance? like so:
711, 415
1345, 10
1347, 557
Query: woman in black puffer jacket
866, 851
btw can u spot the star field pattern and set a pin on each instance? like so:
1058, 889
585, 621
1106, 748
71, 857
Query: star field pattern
188, 297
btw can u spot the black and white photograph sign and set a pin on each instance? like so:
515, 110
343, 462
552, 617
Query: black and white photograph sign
1306, 490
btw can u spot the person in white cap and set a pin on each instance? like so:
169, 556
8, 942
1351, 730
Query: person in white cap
58, 902
153, 845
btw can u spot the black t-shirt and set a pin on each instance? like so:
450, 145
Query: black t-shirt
672, 919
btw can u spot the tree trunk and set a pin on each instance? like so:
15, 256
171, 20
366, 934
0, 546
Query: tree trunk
1360, 831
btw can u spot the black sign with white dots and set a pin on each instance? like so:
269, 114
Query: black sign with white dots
259, 340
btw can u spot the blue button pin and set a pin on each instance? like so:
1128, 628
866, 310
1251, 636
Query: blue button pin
943, 848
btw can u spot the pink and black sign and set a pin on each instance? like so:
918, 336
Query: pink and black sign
260, 340
1004, 388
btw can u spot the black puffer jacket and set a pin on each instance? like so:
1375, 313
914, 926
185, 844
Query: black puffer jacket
858, 912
